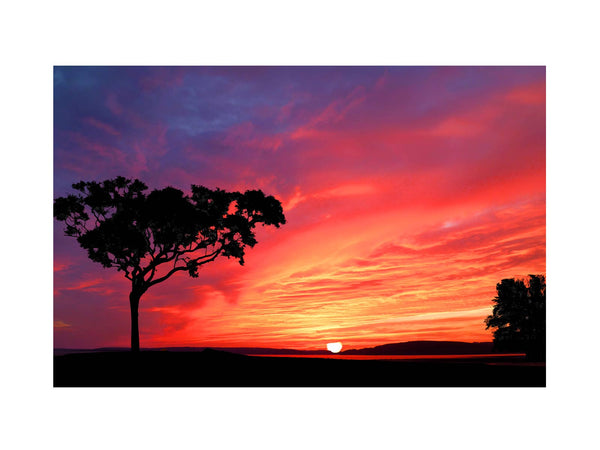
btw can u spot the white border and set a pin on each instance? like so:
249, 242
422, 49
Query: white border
38, 35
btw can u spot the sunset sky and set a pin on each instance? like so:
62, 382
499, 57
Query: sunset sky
409, 192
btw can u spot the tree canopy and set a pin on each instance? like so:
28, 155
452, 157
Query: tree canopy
152, 236
519, 316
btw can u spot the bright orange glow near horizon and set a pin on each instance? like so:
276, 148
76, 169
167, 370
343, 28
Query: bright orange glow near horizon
408, 193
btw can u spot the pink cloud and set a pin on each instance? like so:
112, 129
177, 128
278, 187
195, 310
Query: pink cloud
163, 77
246, 136
102, 126
333, 113
102, 150
534, 94
113, 104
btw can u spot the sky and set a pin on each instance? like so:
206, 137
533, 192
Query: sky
409, 192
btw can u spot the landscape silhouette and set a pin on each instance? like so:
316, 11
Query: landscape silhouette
123, 228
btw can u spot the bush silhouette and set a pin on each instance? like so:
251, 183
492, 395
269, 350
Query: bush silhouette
151, 237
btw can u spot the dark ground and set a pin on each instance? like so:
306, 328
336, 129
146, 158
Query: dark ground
211, 368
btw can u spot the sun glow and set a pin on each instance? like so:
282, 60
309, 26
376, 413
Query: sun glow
334, 347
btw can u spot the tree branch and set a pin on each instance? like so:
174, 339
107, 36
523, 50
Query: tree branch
163, 256
168, 275
209, 258
151, 275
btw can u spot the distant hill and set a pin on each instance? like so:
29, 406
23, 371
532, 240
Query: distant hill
426, 348
402, 348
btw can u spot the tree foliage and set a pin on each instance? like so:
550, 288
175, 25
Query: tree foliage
152, 236
519, 316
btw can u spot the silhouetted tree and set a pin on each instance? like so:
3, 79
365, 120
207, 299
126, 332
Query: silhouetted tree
519, 316
151, 237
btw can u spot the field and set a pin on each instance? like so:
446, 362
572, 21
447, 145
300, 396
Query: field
212, 368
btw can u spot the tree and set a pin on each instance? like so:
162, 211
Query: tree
152, 237
519, 316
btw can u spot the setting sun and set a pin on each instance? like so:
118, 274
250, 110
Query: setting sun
334, 347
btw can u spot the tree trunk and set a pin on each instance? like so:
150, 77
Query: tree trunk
134, 301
